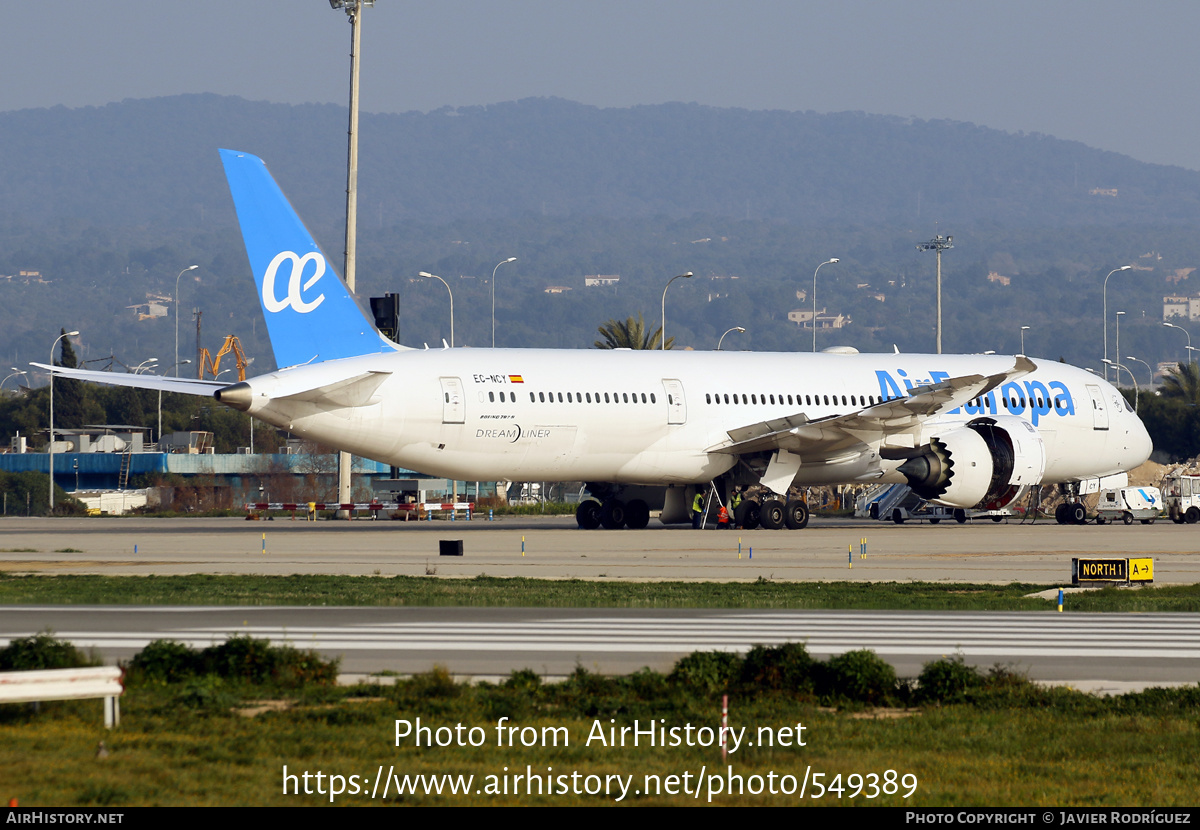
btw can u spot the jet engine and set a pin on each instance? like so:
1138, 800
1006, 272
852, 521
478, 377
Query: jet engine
984, 463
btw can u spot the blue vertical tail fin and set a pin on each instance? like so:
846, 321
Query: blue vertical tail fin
310, 314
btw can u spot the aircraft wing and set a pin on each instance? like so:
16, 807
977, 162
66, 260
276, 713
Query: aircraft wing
186, 386
815, 440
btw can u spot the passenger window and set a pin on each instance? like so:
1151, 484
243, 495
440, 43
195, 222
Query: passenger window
491, 397
707, 398
652, 398
643, 397
532, 398
606, 400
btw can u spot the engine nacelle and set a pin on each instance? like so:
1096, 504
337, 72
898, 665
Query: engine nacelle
984, 463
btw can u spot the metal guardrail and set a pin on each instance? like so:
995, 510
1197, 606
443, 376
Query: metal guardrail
67, 684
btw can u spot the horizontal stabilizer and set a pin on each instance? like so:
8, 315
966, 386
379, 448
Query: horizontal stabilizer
356, 391
185, 386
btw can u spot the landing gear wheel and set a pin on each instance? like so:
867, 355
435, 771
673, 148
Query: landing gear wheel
1192, 515
960, 515
1060, 513
771, 514
1077, 514
637, 515
796, 515
587, 515
612, 514
747, 515
898, 516
1127, 518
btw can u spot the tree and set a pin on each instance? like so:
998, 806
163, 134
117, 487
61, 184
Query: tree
630, 334
1183, 383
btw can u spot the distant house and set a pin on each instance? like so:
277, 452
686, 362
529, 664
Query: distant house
556, 289
1177, 306
803, 318
149, 310
601, 279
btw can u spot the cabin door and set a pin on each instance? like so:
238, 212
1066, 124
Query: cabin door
676, 406
454, 409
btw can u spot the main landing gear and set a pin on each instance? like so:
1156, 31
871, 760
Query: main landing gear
1070, 513
612, 514
773, 514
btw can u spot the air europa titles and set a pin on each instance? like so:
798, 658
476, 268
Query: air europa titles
1039, 399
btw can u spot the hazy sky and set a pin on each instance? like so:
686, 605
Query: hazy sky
1111, 73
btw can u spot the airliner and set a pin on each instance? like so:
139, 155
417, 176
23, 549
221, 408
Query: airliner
652, 428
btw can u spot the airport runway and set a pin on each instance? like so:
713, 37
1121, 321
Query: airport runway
1109, 652
1105, 651
555, 549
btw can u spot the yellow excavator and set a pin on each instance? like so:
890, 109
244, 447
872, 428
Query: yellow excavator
212, 364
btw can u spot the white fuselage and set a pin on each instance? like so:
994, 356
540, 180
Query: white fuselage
641, 417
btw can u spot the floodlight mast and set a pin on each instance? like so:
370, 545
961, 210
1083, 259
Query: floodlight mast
353, 9
939, 243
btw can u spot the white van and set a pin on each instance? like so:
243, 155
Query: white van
1129, 503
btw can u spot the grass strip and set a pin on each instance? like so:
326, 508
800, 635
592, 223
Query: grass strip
485, 591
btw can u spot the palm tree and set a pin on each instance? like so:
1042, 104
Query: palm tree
630, 334
1183, 383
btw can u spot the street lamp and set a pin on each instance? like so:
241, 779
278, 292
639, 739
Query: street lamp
738, 329
51, 448
663, 330
145, 364
430, 276
181, 273
494, 270
1023, 330
938, 244
1189, 337
1105, 320
15, 372
814, 319
1119, 367
1117, 360
176, 366
1149, 368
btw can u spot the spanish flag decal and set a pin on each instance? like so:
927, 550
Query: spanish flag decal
515, 379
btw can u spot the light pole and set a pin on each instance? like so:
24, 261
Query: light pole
738, 329
494, 270
145, 364
353, 9
430, 276
1186, 332
1191, 354
181, 273
814, 319
1149, 368
15, 372
939, 243
1105, 320
663, 330
1117, 360
1119, 367
51, 447
1023, 330
176, 366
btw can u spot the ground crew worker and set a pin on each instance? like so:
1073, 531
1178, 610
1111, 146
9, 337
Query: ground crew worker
735, 501
723, 518
697, 510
